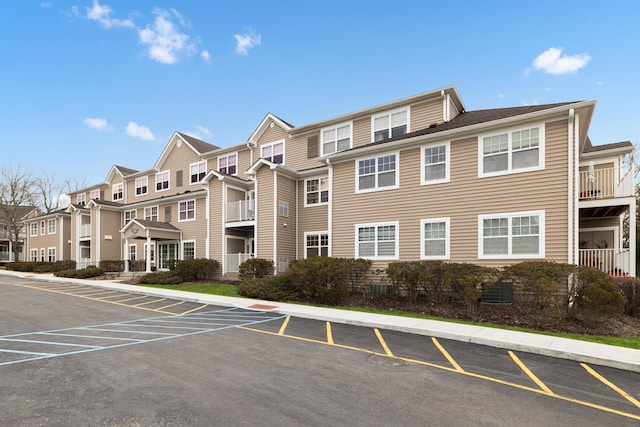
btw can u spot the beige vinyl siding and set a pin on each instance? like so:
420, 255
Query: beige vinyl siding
131, 189
425, 114
265, 210
287, 235
110, 222
192, 230
216, 220
462, 199
361, 132
310, 218
179, 158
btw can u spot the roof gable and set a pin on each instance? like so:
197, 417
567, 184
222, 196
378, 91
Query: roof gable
268, 121
177, 139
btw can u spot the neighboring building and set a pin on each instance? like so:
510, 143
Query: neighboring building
11, 217
49, 237
417, 178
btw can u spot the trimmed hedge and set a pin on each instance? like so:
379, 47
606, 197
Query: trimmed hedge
41, 267
193, 270
596, 293
543, 283
112, 265
270, 288
320, 279
255, 268
85, 273
160, 278
630, 288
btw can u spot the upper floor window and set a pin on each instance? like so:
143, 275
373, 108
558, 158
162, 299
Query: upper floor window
187, 210
228, 164
81, 199
42, 228
118, 191
512, 151
435, 163
283, 208
142, 186
129, 215
197, 171
511, 235
335, 139
377, 241
316, 191
377, 173
162, 180
34, 229
94, 194
273, 152
151, 213
51, 226
390, 124
434, 238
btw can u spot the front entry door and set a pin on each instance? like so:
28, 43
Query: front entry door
166, 251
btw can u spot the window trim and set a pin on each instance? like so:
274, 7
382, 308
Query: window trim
145, 186
423, 164
55, 255
82, 201
182, 248
134, 252
376, 225
509, 131
43, 228
33, 231
319, 234
447, 239
168, 180
96, 191
510, 216
226, 156
33, 255
131, 217
191, 175
376, 188
407, 109
306, 193
186, 211
117, 189
49, 227
150, 217
335, 128
272, 144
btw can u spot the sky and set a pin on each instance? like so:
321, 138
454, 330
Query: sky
88, 84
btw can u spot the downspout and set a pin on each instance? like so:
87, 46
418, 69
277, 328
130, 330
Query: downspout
275, 221
570, 193
576, 180
97, 237
297, 227
207, 211
330, 207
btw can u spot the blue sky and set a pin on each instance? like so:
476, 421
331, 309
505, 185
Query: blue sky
88, 84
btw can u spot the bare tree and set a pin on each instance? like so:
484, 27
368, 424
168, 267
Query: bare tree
16, 201
49, 192
74, 184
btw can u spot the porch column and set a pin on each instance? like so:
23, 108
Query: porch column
632, 239
11, 255
148, 263
126, 255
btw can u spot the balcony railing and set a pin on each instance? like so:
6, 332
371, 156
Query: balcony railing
85, 230
242, 210
612, 261
232, 261
606, 183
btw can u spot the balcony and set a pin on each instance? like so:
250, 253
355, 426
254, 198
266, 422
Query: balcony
606, 183
615, 262
232, 261
242, 210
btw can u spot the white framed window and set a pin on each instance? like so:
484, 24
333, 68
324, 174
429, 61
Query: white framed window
283, 208
118, 191
33, 255
514, 235
129, 215
51, 226
188, 249
81, 199
162, 180
197, 171
316, 191
132, 252
511, 151
389, 124
151, 250
42, 254
187, 210
94, 194
151, 213
336, 138
51, 252
42, 227
33, 229
273, 152
436, 163
377, 173
316, 244
142, 186
228, 164
377, 241
435, 238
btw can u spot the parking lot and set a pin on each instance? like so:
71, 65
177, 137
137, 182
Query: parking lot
140, 321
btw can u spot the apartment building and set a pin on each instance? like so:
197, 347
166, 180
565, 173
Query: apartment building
416, 178
48, 237
10, 218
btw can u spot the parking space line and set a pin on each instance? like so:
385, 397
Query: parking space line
171, 305
284, 325
87, 336
610, 384
148, 302
382, 342
50, 342
34, 353
128, 299
329, 334
100, 293
446, 354
192, 310
530, 374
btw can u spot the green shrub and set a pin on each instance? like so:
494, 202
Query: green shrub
358, 269
543, 283
468, 282
85, 273
66, 273
160, 278
56, 266
24, 266
630, 288
112, 265
320, 279
406, 278
255, 268
596, 293
271, 288
433, 280
192, 270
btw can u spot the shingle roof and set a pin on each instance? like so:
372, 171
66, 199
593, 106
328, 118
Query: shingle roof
590, 148
107, 203
22, 211
201, 146
126, 171
156, 224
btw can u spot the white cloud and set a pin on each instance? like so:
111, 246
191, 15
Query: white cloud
205, 55
246, 41
552, 61
165, 42
45, 4
203, 130
140, 132
102, 14
96, 123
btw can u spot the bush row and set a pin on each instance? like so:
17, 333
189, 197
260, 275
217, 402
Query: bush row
189, 270
41, 267
85, 273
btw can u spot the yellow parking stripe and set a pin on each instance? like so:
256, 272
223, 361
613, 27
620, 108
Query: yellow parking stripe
610, 384
129, 299
284, 325
329, 334
99, 293
530, 374
171, 305
192, 310
149, 302
446, 354
382, 342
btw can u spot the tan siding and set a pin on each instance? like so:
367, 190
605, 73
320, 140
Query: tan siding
362, 131
425, 114
287, 235
178, 159
271, 134
296, 153
193, 230
131, 189
110, 222
216, 222
311, 218
264, 240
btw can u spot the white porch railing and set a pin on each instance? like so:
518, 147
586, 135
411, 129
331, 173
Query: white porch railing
83, 263
232, 261
242, 210
612, 261
606, 183
85, 230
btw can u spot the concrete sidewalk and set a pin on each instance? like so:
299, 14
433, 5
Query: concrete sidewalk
581, 351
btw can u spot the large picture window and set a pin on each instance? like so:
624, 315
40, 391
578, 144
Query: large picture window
512, 235
377, 173
512, 151
377, 241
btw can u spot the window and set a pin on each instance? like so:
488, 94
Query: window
336, 139
42, 254
435, 163
188, 249
512, 151
33, 255
51, 226
162, 181
434, 238
273, 152
317, 191
52, 254
187, 210
129, 215
377, 241
34, 229
283, 208
228, 164
390, 124
151, 213
132, 252
118, 192
82, 199
197, 171
142, 185
316, 244
94, 194
512, 235
377, 173
42, 228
